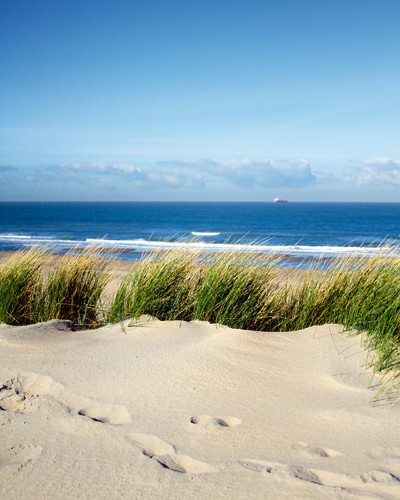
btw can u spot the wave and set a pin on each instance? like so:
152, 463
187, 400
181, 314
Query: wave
28, 240
141, 244
138, 245
204, 233
17, 237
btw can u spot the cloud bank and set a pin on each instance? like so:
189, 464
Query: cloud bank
108, 176
248, 173
375, 172
207, 179
245, 173
202, 174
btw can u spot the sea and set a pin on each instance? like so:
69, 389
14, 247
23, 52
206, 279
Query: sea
296, 231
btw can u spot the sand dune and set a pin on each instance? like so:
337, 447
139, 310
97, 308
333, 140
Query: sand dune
191, 410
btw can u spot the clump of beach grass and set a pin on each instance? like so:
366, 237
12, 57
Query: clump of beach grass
361, 293
70, 290
73, 289
162, 286
233, 289
371, 303
21, 286
179, 285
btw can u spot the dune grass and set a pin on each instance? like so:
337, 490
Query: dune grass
21, 287
371, 303
71, 290
241, 291
236, 290
180, 285
232, 290
161, 287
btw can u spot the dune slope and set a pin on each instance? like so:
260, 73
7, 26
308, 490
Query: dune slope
191, 410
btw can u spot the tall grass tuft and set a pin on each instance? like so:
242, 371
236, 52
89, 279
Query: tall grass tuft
21, 286
371, 303
73, 289
360, 293
161, 287
70, 290
232, 291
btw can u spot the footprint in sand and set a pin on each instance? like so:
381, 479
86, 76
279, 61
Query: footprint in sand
323, 477
315, 451
18, 456
217, 421
167, 456
28, 391
106, 413
10, 400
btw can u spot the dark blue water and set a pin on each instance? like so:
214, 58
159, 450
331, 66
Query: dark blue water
295, 229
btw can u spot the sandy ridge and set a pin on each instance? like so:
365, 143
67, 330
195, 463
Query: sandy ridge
191, 410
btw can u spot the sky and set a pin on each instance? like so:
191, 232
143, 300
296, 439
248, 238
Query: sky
211, 100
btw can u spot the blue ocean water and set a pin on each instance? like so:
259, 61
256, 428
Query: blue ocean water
291, 229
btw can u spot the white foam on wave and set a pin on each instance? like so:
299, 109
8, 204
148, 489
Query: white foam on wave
36, 240
204, 233
141, 244
12, 237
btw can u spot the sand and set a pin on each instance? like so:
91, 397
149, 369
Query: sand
191, 410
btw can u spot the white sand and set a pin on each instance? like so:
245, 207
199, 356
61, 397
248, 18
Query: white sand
191, 410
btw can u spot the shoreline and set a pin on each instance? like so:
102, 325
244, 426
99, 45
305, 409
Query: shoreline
289, 255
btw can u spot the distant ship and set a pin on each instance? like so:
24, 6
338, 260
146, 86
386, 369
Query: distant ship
279, 200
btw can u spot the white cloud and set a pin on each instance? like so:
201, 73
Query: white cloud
167, 175
375, 172
253, 172
268, 173
101, 168
246, 173
174, 178
145, 177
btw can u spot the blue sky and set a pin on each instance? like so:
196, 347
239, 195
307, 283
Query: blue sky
200, 100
